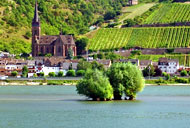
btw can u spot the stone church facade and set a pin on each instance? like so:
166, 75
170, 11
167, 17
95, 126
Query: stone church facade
57, 45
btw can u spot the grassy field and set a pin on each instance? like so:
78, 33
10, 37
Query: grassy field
131, 12
159, 37
170, 13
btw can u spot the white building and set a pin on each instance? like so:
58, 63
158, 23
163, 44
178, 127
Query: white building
144, 64
170, 66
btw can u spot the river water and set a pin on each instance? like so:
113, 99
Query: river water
61, 107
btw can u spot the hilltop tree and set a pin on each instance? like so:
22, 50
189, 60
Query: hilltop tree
81, 45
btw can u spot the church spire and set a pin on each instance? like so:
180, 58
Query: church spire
36, 17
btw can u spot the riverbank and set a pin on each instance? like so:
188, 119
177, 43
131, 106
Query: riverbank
72, 83
37, 82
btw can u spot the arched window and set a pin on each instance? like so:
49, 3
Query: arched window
47, 50
59, 49
41, 50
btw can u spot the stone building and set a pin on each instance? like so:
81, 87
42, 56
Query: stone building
133, 2
57, 45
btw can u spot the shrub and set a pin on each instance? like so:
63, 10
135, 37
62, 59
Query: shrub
25, 71
60, 74
95, 85
14, 73
80, 73
70, 73
52, 74
183, 73
181, 80
41, 74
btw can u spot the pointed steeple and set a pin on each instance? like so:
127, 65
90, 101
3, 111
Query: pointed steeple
36, 20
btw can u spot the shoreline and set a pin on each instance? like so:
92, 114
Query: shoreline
70, 84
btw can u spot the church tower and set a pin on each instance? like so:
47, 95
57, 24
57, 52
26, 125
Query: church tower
36, 30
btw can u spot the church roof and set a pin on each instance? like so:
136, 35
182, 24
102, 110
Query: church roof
66, 39
36, 19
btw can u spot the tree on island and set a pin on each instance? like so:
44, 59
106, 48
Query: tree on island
95, 85
125, 78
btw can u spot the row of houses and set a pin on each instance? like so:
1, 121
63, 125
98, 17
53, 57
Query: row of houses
56, 64
170, 66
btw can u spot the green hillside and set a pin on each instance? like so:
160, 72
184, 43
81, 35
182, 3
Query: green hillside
169, 13
131, 12
159, 37
72, 16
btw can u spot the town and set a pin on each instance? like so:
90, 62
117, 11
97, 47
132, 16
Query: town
48, 65
62, 49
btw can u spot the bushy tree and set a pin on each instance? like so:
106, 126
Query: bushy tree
80, 73
60, 74
95, 85
96, 65
130, 22
84, 65
71, 73
125, 78
52, 74
14, 73
149, 71
109, 15
35, 75
183, 73
25, 71
41, 74
70, 54
81, 45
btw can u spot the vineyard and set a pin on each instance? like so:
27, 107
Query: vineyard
158, 37
170, 13
183, 58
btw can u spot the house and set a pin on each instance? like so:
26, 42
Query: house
56, 45
106, 63
54, 64
170, 66
133, 2
133, 61
31, 68
144, 64
69, 64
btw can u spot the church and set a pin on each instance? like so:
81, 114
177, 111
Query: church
57, 45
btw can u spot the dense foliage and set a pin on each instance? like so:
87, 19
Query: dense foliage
95, 85
159, 37
127, 78
70, 16
73, 16
25, 71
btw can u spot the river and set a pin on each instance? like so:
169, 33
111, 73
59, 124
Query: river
62, 107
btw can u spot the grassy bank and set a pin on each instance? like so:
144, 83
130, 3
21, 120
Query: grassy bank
38, 82
172, 81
